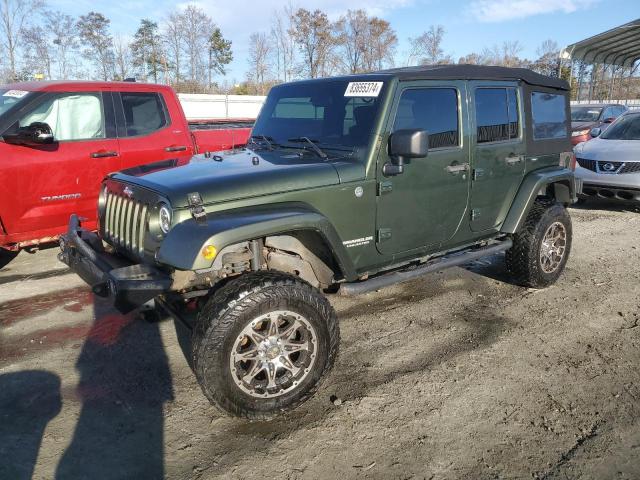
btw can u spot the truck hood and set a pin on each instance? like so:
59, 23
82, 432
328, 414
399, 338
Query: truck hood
239, 174
610, 150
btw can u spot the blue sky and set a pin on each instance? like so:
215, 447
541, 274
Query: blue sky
470, 25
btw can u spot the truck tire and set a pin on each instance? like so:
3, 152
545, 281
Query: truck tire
541, 247
6, 256
263, 343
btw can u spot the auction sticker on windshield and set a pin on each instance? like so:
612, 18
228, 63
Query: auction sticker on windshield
14, 93
363, 89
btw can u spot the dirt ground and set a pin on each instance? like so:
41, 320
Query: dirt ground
459, 374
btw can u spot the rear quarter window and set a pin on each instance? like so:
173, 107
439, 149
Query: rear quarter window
549, 115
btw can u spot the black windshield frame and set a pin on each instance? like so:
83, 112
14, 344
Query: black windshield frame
325, 115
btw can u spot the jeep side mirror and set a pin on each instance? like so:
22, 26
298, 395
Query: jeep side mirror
38, 133
405, 145
595, 132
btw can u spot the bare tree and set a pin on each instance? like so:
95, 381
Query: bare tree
197, 27
15, 16
124, 61
427, 48
37, 54
173, 33
259, 50
351, 32
283, 43
380, 45
65, 38
94, 32
548, 60
312, 32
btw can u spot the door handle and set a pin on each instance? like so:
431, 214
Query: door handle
104, 153
457, 168
180, 148
513, 159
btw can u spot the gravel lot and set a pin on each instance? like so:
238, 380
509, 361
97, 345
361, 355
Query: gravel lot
459, 374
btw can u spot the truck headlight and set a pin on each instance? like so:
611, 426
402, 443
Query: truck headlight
164, 217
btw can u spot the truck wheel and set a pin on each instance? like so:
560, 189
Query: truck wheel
263, 343
541, 247
6, 256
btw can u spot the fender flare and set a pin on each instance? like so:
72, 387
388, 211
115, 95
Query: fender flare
564, 191
182, 247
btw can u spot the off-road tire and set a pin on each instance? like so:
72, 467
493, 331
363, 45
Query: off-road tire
6, 256
232, 308
523, 259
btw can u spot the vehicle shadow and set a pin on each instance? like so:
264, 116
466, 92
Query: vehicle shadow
124, 383
29, 400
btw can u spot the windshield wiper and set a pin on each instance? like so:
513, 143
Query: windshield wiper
316, 149
268, 140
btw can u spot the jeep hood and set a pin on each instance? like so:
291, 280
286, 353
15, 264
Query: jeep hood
239, 174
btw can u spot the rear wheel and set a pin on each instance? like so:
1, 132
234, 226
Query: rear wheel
263, 343
6, 256
541, 248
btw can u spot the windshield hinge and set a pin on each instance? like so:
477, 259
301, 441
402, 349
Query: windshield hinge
197, 210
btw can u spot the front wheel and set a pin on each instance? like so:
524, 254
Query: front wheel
541, 247
263, 343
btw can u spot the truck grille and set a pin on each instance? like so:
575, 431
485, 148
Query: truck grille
125, 221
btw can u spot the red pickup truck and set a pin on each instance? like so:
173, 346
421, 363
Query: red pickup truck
58, 140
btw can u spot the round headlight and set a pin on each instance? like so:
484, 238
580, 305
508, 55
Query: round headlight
164, 215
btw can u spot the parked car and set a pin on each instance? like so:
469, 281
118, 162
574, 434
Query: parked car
60, 139
586, 117
352, 184
609, 165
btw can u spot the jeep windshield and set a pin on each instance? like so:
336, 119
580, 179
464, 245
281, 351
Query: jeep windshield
10, 99
333, 115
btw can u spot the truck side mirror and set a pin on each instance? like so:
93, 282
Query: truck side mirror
38, 133
595, 132
405, 145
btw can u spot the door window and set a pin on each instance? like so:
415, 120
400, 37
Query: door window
549, 115
73, 116
144, 113
434, 110
497, 118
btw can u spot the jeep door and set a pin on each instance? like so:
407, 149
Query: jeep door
425, 205
50, 182
498, 154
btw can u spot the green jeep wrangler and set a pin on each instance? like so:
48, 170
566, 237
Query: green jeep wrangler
349, 184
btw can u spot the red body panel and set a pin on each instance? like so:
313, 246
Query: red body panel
40, 187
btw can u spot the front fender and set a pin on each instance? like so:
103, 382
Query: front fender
533, 184
182, 247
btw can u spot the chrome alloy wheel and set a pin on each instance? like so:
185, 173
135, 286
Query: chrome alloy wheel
553, 247
273, 354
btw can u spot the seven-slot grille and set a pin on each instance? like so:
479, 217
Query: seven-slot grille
618, 167
125, 221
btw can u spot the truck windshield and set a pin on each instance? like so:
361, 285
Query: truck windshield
10, 99
585, 114
626, 128
332, 114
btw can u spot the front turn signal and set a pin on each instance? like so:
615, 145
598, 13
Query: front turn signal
209, 252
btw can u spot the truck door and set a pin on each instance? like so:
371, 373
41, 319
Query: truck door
51, 182
424, 206
498, 153
147, 132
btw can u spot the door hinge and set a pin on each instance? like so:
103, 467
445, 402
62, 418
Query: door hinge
384, 234
475, 213
385, 187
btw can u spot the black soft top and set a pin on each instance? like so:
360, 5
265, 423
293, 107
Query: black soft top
475, 72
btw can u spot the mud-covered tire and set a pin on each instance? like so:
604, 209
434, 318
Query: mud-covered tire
230, 311
524, 259
6, 256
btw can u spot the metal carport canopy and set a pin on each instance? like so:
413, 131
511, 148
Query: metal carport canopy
619, 46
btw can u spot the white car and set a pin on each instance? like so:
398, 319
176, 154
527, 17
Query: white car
609, 165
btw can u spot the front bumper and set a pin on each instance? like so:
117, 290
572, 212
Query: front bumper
622, 187
129, 285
